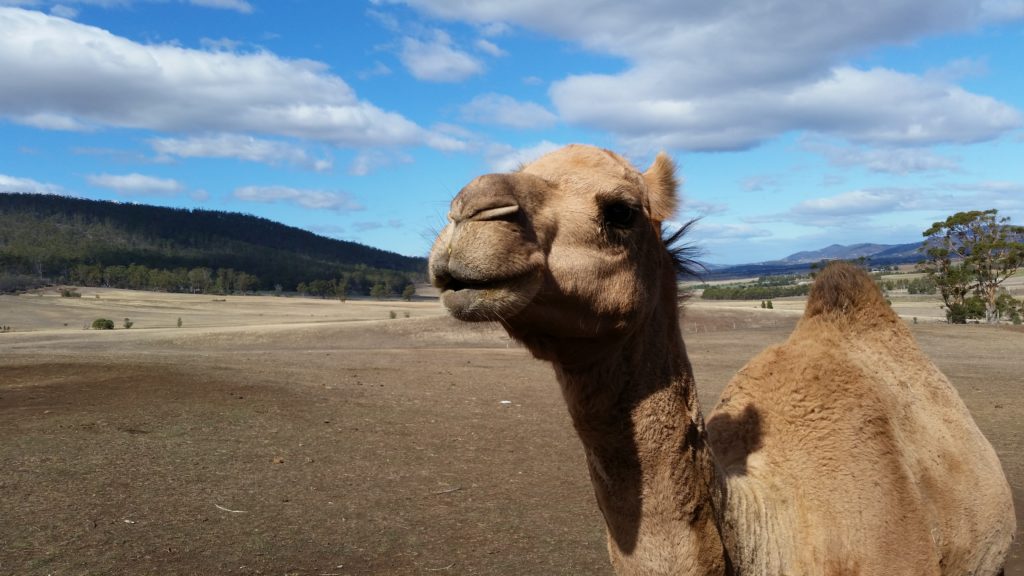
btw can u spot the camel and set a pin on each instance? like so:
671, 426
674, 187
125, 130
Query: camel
842, 451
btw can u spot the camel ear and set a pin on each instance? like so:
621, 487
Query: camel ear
661, 183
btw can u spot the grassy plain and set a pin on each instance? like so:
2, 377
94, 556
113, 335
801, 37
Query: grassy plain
273, 435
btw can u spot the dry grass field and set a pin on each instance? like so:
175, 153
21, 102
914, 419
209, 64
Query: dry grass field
313, 437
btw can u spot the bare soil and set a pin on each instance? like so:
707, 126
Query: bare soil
296, 436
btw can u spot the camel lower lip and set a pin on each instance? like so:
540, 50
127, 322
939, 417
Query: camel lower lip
486, 301
466, 304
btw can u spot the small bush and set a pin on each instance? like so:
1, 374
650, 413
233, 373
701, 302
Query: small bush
4, 328
406, 314
179, 321
392, 314
70, 293
128, 323
102, 324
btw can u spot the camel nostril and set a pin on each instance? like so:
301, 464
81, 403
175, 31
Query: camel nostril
494, 213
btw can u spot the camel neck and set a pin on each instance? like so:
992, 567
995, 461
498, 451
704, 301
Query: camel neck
638, 417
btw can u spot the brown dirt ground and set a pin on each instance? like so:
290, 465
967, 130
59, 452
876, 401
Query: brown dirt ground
255, 440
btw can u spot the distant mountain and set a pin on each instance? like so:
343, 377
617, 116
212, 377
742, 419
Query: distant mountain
840, 252
77, 240
800, 262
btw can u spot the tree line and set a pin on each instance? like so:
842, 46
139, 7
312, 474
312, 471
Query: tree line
138, 277
924, 285
754, 291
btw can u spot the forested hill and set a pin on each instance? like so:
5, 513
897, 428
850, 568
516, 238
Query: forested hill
64, 239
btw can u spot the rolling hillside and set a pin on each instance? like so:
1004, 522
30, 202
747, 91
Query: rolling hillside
61, 239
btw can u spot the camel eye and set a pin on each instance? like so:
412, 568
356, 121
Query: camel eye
619, 215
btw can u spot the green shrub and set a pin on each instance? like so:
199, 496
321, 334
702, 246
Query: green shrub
70, 293
128, 323
102, 324
409, 292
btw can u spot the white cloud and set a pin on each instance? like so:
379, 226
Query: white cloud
220, 44
437, 60
877, 106
759, 183
64, 11
722, 76
502, 110
241, 147
493, 29
490, 48
136, 184
853, 208
379, 69
60, 74
27, 186
368, 161
236, 5
709, 232
503, 158
886, 160
313, 199
367, 226
50, 121
701, 208
855, 202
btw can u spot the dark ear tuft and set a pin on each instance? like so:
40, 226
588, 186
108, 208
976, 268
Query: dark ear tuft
684, 254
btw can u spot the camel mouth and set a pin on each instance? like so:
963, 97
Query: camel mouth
486, 300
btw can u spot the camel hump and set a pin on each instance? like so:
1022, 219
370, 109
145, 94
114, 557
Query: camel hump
844, 289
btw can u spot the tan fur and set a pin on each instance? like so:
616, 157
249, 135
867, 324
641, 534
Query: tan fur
842, 451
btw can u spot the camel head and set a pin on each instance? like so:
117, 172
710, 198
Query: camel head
567, 247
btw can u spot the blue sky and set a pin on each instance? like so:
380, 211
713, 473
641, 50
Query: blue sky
795, 125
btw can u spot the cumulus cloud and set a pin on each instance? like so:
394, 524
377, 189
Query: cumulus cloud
489, 47
759, 182
136, 184
504, 158
711, 232
368, 161
722, 76
885, 160
27, 186
241, 147
64, 11
853, 207
367, 226
60, 74
437, 59
502, 110
236, 5
313, 199
702, 208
